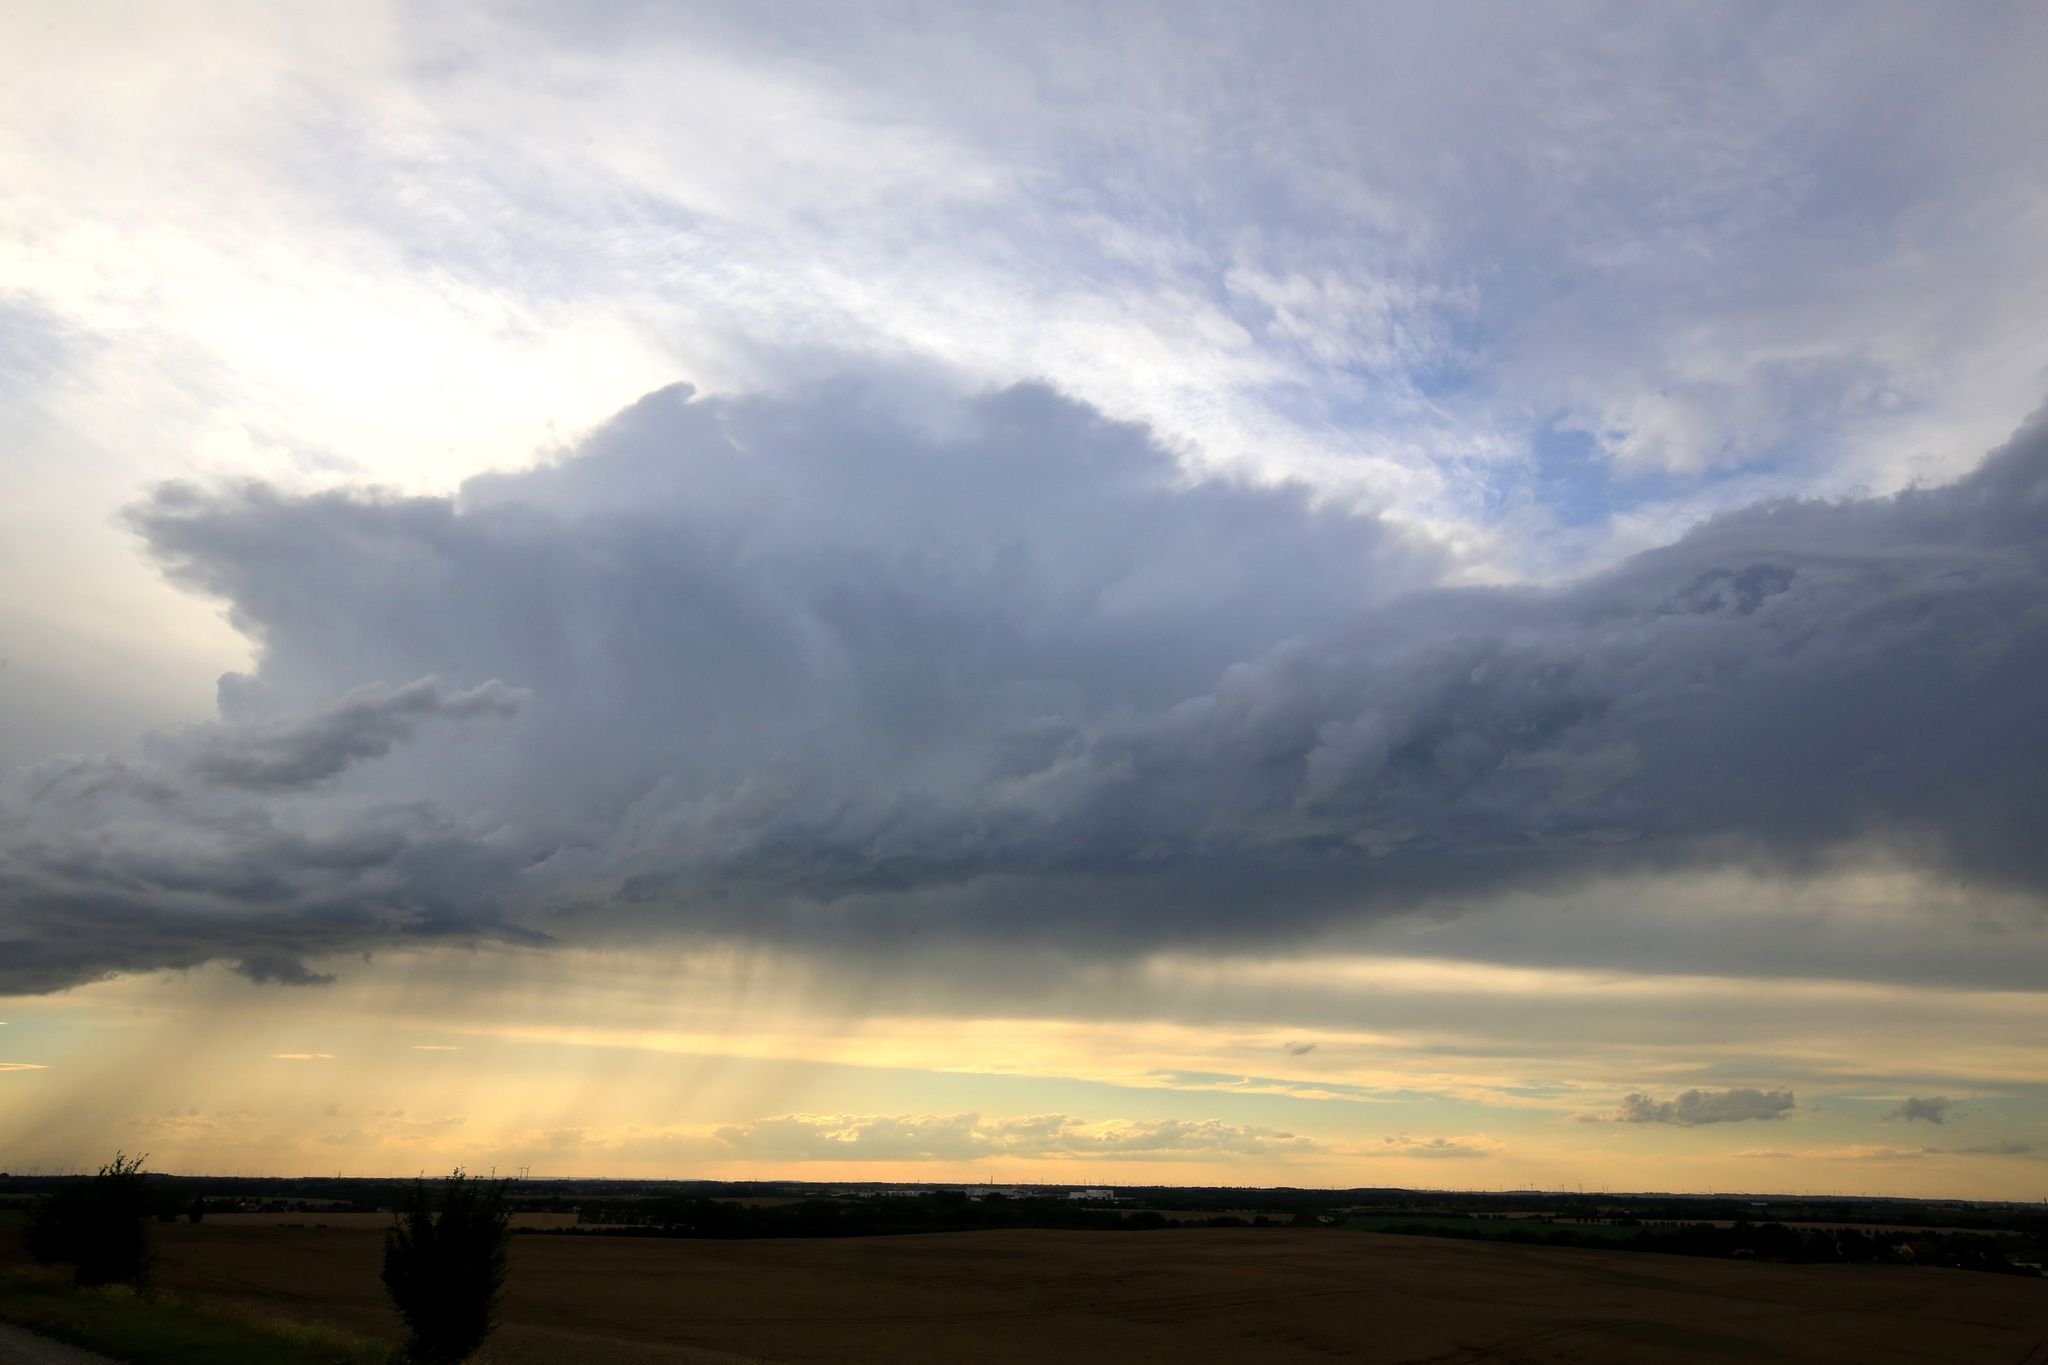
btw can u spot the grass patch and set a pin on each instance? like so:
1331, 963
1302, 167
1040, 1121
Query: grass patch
161, 1329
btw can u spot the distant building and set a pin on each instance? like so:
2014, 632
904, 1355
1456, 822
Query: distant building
1098, 1196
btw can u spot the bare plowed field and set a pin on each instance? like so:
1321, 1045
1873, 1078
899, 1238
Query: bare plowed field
1195, 1295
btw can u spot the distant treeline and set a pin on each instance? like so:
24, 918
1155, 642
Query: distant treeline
1774, 1227
952, 1211
880, 1216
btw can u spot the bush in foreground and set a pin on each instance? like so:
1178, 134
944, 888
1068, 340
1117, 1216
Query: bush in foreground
445, 1267
99, 1225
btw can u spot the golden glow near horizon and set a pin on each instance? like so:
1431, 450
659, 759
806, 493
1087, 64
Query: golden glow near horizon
1337, 1069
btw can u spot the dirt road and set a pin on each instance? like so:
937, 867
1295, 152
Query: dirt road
26, 1348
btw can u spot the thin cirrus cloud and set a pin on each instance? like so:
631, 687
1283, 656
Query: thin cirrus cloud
805, 669
1395, 252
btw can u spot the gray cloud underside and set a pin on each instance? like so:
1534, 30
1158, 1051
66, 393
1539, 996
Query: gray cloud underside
365, 724
108, 866
1997, 1149
853, 664
1933, 1109
1695, 1107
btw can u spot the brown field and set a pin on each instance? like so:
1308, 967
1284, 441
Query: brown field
1194, 1295
375, 1222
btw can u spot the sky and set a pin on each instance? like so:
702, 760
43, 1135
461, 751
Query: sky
1320, 594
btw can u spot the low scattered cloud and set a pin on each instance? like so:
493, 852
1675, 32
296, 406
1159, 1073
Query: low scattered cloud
1997, 1149
303, 1056
394, 1129
1696, 1107
1933, 1109
435, 1047
192, 1124
1853, 1152
22, 1066
1869, 1152
1301, 1049
968, 1137
1476, 1145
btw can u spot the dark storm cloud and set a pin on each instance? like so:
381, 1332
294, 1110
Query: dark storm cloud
289, 971
855, 665
366, 723
1934, 1109
128, 873
1695, 1107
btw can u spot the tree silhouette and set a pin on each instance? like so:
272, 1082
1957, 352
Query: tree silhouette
445, 1267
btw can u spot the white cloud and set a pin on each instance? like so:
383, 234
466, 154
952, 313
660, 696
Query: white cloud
1370, 250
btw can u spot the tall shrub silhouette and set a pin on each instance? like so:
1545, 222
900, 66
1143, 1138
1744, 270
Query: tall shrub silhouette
444, 1266
98, 1224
